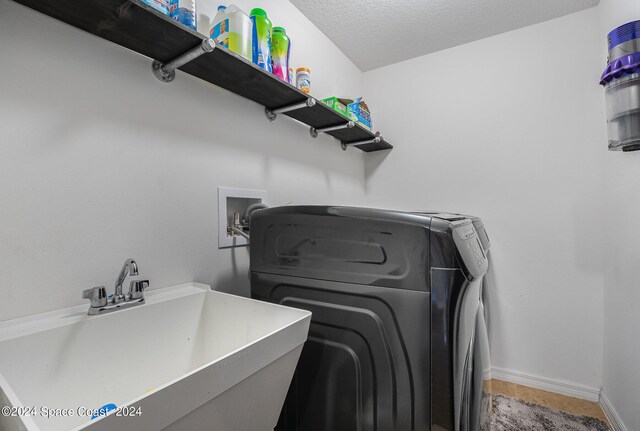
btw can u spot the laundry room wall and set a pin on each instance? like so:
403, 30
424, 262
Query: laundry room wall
101, 162
621, 389
511, 129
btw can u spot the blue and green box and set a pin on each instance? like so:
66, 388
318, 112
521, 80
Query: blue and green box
337, 104
359, 112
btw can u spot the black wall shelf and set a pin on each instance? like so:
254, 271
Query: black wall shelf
138, 27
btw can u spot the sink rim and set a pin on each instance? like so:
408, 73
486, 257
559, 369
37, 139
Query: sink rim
27, 325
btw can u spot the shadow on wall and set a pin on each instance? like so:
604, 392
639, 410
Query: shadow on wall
372, 163
235, 279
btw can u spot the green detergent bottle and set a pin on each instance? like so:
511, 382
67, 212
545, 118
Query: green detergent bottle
280, 49
261, 39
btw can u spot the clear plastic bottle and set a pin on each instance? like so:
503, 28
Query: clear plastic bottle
184, 11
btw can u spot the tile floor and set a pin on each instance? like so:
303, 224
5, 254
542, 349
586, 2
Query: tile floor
549, 399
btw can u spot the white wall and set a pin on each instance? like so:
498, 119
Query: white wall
510, 128
622, 251
96, 170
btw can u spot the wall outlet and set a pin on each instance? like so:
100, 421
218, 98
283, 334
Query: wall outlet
232, 200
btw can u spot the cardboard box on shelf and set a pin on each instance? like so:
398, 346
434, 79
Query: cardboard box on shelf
338, 104
359, 112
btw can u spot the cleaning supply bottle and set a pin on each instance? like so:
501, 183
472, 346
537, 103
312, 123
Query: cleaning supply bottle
280, 49
303, 79
261, 39
240, 32
219, 32
159, 5
184, 11
203, 18
233, 31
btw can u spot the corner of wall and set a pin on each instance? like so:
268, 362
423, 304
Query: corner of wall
611, 413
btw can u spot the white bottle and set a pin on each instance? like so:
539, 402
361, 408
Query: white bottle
217, 31
204, 18
232, 28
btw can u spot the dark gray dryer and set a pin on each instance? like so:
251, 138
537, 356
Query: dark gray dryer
396, 339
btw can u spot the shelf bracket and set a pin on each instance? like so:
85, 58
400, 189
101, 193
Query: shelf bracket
314, 132
272, 114
167, 72
375, 140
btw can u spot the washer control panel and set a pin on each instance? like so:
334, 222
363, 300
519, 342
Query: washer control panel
470, 248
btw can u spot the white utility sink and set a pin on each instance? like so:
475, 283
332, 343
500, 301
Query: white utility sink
189, 359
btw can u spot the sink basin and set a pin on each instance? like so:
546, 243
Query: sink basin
189, 359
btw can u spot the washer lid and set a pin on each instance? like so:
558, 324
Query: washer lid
346, 244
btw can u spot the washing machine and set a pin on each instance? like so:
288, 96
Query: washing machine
397, 339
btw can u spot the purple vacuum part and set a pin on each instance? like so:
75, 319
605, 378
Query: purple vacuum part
624, 58
623, 66
624, 33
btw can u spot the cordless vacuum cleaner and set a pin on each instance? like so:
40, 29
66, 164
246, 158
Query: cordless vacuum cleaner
621, 80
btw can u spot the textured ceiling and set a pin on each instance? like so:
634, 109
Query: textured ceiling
375, 33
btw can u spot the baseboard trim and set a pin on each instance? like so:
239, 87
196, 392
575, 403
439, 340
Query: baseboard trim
556, 386
611, 414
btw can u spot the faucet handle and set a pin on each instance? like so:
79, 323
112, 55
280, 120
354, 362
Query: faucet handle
97, 296
136, 288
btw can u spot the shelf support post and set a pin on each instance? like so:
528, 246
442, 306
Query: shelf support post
375, 140
272, 114
314, 132
167, 72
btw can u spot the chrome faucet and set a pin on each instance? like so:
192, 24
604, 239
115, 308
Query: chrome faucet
101, 303
130, 267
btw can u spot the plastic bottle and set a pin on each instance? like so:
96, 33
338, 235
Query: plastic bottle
204, 19
184, 11
160, 5
303, 79
280, 49
261, 38
233, 30
220, 33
